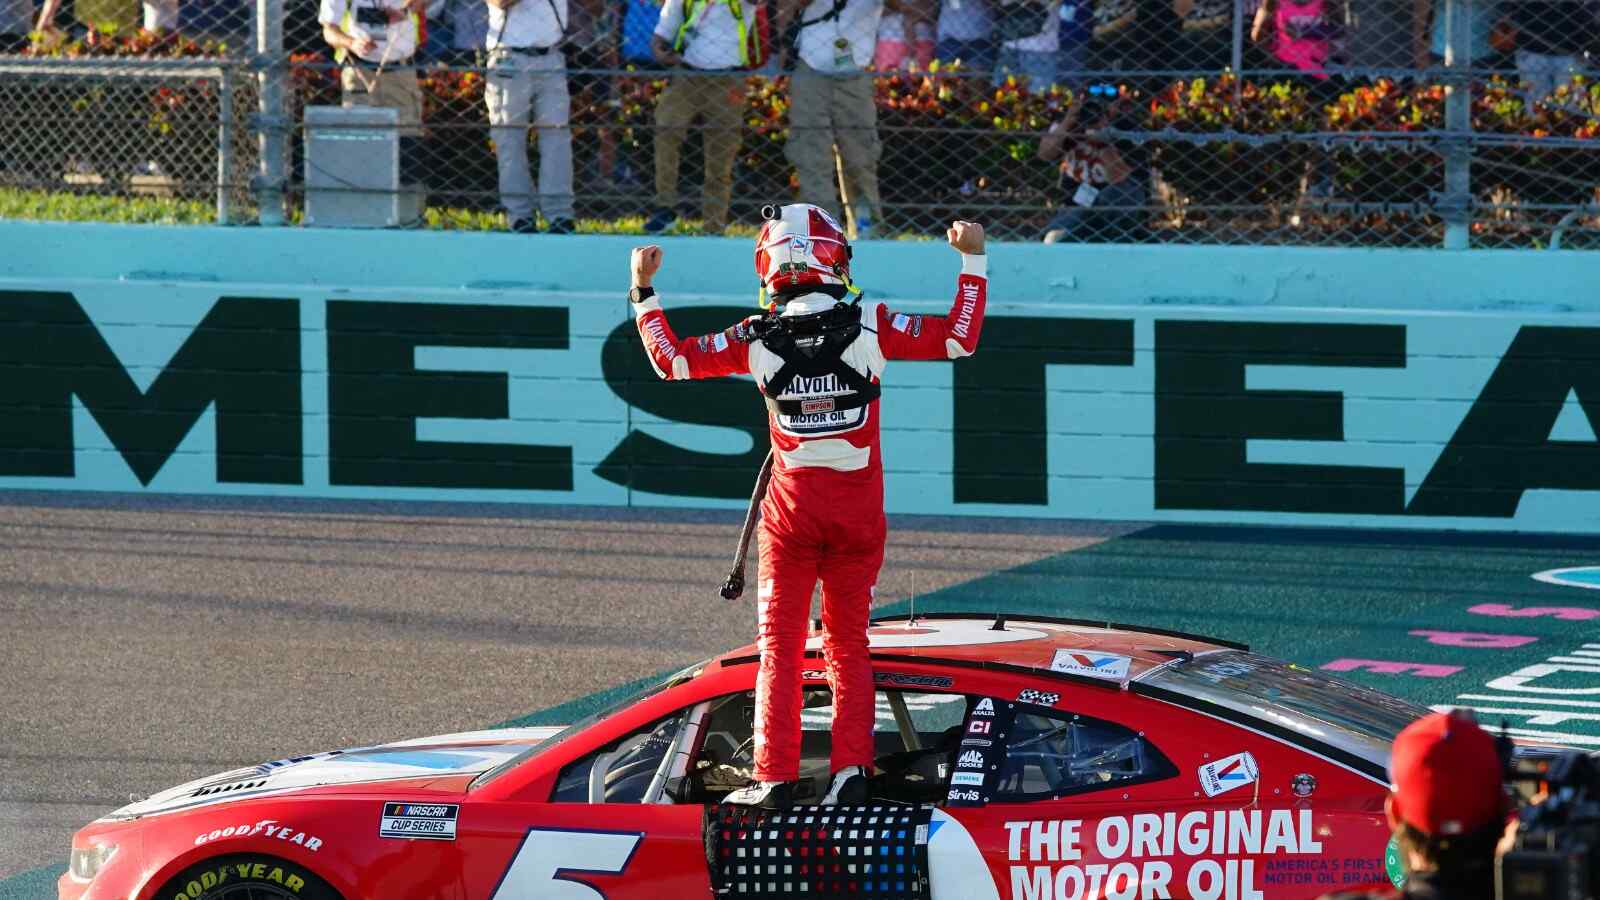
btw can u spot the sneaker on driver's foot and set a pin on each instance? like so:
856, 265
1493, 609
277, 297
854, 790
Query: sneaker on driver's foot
849, 787
525, 226
765, 794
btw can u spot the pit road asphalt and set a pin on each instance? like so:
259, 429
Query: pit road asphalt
149, 640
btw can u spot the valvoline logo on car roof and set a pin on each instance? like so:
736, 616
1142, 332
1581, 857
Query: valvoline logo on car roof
1578, 576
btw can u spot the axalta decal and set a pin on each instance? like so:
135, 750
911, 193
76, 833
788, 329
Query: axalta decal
1204, 855
266, 828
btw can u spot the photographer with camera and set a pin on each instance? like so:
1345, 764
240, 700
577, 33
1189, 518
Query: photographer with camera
1103, 181
374, 42
831, 105
1447, 807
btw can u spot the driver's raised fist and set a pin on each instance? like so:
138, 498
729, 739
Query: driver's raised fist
645, 263
966, 237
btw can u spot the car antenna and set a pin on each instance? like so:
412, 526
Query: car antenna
999, 622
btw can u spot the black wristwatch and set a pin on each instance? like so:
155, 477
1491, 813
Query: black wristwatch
640, 294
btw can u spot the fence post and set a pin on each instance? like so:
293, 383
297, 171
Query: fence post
271, 120
225, 147
1456, 201
1238, 53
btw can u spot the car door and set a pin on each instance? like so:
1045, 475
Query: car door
596, 836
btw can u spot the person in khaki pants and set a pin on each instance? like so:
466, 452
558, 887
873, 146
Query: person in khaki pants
709, 40
831, 106
374, 41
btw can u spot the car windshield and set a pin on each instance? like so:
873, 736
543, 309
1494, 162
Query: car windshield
666, 684
1345, 715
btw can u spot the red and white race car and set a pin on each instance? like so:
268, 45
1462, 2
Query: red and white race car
1019, 757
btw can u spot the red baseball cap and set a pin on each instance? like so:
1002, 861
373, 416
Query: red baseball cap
1446, 775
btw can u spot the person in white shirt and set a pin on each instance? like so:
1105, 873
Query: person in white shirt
831, 106
374, 41
1033, 56
528, 68
710, 42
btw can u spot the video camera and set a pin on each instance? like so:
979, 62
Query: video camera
1557, 848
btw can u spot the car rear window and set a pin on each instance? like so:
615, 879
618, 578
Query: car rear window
1336, 712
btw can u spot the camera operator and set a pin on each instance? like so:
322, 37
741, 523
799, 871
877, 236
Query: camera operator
375, 42
1103, 181
1447, 808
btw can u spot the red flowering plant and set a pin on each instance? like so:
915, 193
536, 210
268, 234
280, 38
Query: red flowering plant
1376, 168
99, 132
1535, 170
1226, 172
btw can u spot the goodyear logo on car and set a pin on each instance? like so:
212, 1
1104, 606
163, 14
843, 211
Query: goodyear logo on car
432, 821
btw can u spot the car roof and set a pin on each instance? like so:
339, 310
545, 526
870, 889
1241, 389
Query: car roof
1015, 641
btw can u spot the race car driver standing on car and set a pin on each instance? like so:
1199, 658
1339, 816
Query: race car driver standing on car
817, 355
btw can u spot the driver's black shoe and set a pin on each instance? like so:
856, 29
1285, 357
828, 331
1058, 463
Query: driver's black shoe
849, 787
765, 794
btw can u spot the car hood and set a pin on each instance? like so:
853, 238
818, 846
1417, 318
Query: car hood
449, 754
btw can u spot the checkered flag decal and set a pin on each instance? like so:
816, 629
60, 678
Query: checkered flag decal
876, 852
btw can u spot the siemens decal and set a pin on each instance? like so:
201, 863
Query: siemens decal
1137, 412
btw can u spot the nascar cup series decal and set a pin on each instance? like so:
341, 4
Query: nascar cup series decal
1228, 773
1092, 663
433, 821
1131, 852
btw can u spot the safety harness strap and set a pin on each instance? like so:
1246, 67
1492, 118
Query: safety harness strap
828, 359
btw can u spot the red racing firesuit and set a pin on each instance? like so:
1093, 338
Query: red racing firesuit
823, 514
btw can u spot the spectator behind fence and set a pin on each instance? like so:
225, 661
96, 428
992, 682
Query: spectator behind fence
457, 31
1075, 26
115, 15
905, 35
832, 108
1428, 36
528, 67
16, 20
709, 43
1551, 38
965, 34
375, 42
1133, 36
1097, 172
1030, 37
1307, 35
1205, 40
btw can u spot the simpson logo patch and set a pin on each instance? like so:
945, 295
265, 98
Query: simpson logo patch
432, 821
809, 407
1228, 773
1092, 663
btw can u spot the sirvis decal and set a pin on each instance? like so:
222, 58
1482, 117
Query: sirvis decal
1202, 855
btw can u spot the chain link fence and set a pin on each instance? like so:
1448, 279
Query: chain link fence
1450, 123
